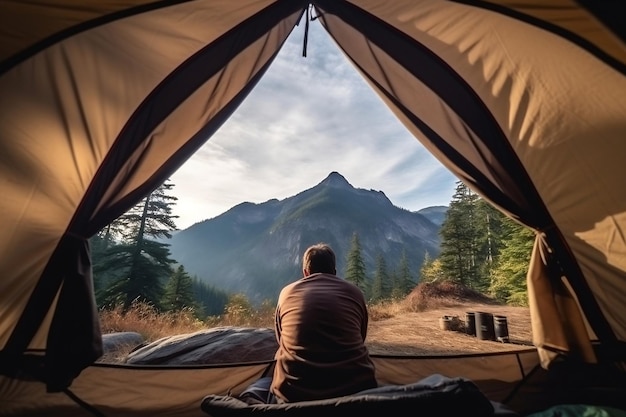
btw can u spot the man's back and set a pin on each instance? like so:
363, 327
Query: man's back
321, 325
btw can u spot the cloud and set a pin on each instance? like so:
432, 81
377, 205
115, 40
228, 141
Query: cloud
307, 117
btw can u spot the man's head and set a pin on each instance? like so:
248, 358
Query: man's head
318, 258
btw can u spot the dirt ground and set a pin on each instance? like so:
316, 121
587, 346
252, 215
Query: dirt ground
422, 333
413, 326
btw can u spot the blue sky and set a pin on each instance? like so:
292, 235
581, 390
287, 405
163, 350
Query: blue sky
307, 117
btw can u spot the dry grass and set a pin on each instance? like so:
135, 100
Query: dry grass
147, 321
412, 326
406, 327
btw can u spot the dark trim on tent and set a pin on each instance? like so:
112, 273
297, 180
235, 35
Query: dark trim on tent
528, 349
71, 335
442, 79
83, 404
451, 88
610, 12
61, 366
74, 344
23, 55
469, 172
174, 90
570, 36
521, 383
194, 143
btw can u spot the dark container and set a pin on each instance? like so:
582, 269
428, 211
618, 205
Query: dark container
484, 326
470, 323
501, 329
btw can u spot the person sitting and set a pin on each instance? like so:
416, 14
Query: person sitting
321, 325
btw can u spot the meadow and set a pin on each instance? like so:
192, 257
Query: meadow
409, 326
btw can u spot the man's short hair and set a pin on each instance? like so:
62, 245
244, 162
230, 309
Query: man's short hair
319, 258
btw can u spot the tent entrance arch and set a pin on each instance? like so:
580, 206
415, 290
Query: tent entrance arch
103, 102
307, 117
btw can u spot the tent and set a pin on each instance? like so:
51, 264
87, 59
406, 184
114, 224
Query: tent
100, 102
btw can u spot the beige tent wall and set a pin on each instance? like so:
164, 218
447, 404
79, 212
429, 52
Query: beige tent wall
125, 391
561, 108
573, 157
134, 391
495, 374
62, 110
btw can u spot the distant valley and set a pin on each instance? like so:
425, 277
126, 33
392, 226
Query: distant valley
256, 249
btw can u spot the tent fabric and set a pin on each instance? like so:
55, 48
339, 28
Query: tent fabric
488, 114
513, 379
178, 391
132, 98
525, 101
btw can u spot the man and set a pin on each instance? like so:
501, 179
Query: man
321, 325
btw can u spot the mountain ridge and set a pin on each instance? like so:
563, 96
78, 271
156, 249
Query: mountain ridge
256, 249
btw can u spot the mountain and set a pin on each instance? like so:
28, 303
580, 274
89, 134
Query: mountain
436, 214
256, 249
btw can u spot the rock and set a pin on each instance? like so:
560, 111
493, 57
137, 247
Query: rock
217, 345
112, 342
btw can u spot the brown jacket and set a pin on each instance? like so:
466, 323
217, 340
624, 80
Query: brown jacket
321, 325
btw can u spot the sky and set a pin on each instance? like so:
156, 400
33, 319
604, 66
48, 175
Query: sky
307, 117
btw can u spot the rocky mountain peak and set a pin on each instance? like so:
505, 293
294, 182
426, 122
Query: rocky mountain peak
336, 180
255, 249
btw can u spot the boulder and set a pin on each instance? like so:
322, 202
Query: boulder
216, 345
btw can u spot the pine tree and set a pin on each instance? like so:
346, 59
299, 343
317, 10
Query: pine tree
209, 300
140, 263
405, 279
403, 282
482, 248
380, 288
355, 265
489, 241
508, 277
459, 233
100, 244
179, 292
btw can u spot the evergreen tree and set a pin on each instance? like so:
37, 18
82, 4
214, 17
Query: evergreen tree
141, 263
508, 277
460, 232
98, 248
380, 288
355, 265
179, 291
489, 241
404, 283
482, 248
392, 289
100, 244
209, 300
